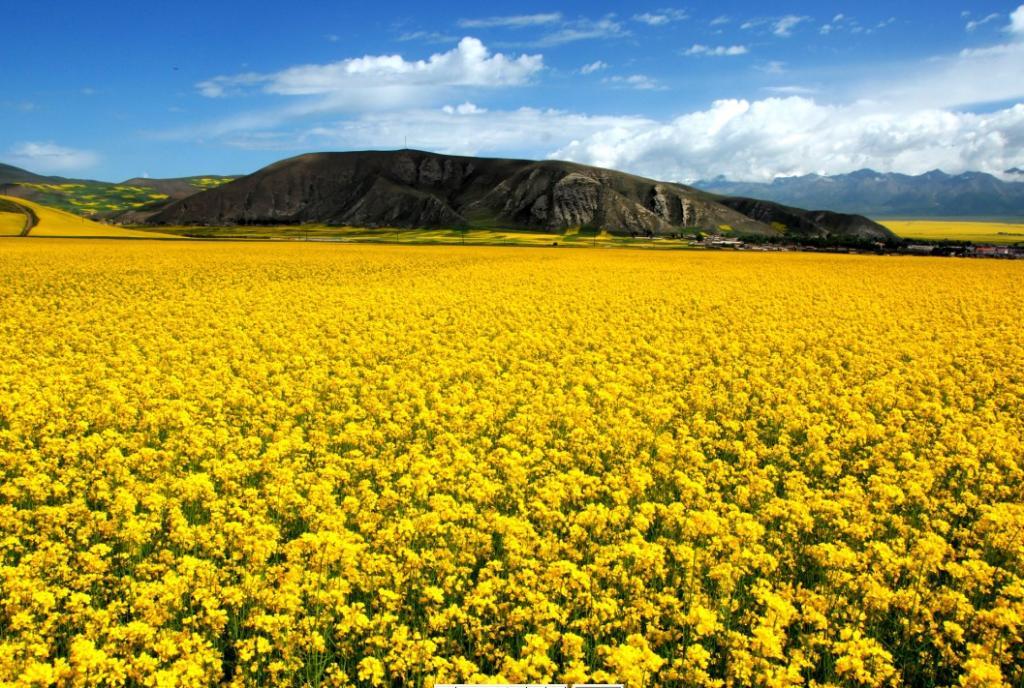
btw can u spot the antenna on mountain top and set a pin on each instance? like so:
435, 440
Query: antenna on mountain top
406, 142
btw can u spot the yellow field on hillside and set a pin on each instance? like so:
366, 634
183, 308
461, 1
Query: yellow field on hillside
53, 222
978, 232
11, 223
349, 465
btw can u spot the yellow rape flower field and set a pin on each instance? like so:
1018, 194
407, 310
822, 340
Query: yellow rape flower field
11, 224
306, 465
59, 223
958, 230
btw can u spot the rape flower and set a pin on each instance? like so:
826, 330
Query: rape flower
362, 466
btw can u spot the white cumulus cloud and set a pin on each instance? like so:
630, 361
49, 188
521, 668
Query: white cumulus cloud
791, 90
517, 21
1017, 21
661, 17
594, 67
716, 51
582, 30
640, 82
471, 63
784, 26
466, 108
976, 23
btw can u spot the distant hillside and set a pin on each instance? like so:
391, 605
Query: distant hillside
418, 189
180, 187
933, 194
88, 198
9, 174
170, 189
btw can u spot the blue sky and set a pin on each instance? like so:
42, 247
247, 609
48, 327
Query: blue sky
678, 91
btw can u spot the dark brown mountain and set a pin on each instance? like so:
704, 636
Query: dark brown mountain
174, 188
417, 189
809, 224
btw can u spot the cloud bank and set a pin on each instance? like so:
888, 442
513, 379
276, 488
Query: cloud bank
465, 129
471, 63
49, 158
762, 139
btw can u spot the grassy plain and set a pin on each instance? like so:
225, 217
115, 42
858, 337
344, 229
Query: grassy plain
956, 230
351, 465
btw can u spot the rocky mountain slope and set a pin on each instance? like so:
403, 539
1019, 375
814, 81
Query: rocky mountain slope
418, 189
808, 224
